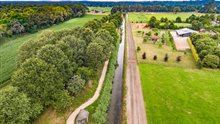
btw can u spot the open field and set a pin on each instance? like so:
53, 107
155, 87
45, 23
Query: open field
176, 95
8, 50
145, 17
105, 9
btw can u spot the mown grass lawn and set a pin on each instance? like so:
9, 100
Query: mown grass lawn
8, 50
145, 17
180, 96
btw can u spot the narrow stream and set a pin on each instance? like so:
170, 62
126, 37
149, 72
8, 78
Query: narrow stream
114, 113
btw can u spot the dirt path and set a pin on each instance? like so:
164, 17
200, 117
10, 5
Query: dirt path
135, 103
71, 119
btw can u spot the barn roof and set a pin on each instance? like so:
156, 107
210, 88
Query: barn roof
185, 31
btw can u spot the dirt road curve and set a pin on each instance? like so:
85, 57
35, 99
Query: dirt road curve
135, 102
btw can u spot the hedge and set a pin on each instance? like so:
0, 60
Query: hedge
194, 52
100, 114
172, 41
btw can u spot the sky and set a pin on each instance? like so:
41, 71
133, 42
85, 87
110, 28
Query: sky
94, 0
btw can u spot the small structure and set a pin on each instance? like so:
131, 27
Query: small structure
185, 32
202, 30
82, 117
154, 38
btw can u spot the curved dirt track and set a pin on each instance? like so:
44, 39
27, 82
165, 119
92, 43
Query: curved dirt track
135, 102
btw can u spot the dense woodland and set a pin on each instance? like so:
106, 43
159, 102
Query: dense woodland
55, 67
22, 18
208, 8
207, 48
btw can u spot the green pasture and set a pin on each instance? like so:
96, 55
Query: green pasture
105, 9
180, 96
145, 17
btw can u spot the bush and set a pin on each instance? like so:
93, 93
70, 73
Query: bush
211, 61
75, 85
144, 56
138, 49
178, 59
166, 57
155, 57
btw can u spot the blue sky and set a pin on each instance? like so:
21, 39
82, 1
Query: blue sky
95, 0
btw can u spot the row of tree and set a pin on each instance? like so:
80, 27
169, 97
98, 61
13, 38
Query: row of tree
54, 67
207, 47
19, 18
208, 8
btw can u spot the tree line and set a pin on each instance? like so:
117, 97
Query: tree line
54, 67
208, 8
20, 18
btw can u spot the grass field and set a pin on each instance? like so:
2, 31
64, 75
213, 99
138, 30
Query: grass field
180, 96
145, 17
8, 50
106, 9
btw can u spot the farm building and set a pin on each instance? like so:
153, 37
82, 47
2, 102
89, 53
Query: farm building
185, 32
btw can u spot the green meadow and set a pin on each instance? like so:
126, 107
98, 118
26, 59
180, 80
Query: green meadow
179, 95
145, 17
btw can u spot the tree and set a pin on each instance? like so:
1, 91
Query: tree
153, 22
211, 61
15, 106
110, 27
94, 55
196, 25
86, 73
55, 56
16, 27
176, 9
178, 20
75, 85
74, 48
39, 80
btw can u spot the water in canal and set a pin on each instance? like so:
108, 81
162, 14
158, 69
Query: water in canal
114, 113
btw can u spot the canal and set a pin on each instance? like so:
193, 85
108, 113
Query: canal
114, 113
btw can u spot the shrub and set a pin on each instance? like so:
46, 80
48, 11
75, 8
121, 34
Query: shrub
211, 61
155, 57
138, 49
178, 59
144, 56
75, 85
166, 57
